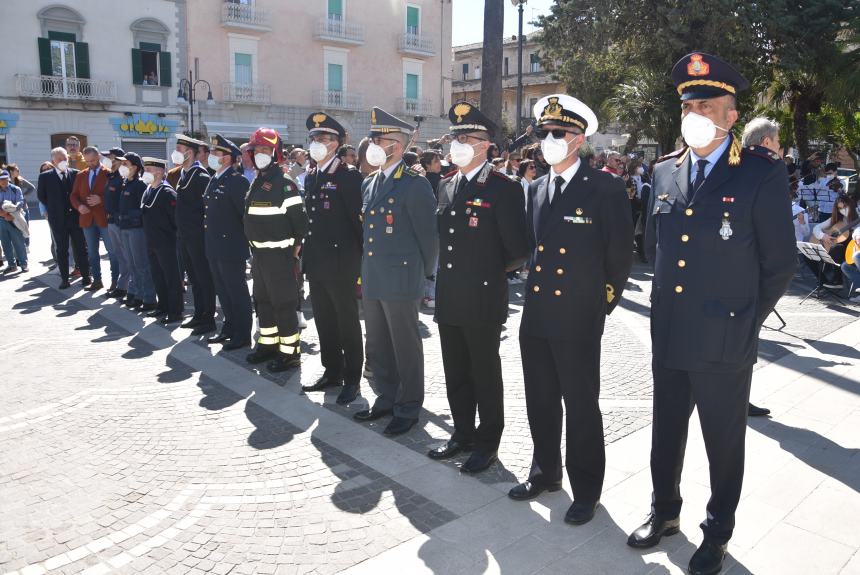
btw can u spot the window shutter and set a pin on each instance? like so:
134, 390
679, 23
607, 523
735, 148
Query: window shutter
335, 9
82, 60
412, 18
150, 47
62, 36
166, 78
136, 67
412, 86
46, 68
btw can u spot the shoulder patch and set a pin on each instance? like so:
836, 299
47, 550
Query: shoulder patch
673, 155
761, 152
411, 172
504, 176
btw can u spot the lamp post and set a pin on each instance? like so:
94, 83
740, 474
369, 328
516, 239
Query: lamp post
185, 95
519, 4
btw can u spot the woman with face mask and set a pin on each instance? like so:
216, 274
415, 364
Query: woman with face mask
140, 292
834, 234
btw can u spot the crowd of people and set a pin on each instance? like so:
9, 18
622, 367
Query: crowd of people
395, 225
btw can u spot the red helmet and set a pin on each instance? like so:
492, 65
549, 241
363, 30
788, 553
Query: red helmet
268, 138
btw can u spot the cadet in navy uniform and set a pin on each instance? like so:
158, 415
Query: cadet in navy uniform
721, 237
580, 221
331, 256
159, 222
226, 245
482, 235
275, 222
400, 251
192, 183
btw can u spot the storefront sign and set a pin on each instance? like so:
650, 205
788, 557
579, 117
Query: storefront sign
145, 125
7, 121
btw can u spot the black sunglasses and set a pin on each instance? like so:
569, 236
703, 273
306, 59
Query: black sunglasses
557, 133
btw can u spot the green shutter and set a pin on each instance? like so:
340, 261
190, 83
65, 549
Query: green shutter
150, 47
166, 70
412, 17
46, 68
62, 36
136, 67
335, 77
412, 86
82, 60
335, 8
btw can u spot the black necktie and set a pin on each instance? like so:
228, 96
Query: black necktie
700, 175
461, 185
380, 179
556, 194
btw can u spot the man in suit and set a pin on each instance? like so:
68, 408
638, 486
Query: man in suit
88, 199
226, 244
331, 256
482, 232
400, 251
722, 240
579, 219
54, 190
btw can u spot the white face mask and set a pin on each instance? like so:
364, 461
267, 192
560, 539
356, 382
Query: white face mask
105, 163
177, 157
844, 212
147, 178
262, 161
699, 131
640, 170
462, 154
124, 171
318, 151
555, 151
63, 166
376, 155
214, 162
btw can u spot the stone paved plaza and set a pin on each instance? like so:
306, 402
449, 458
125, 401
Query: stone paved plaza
130, 448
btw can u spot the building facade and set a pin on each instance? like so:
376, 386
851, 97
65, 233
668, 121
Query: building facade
108, 77
270, 62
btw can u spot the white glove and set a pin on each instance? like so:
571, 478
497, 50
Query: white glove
9, 207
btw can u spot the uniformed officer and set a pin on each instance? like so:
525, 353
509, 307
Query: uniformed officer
721, 237
579, 219
159, 222
226, 245
482, 235
193, 180
275, 223
400, 251
331, 256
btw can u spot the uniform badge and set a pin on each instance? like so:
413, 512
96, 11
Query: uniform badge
578, 211
473, 222
267, 186
389, 229
389, 219
728, 200
326, 205
390, 200
663, 197
697, 66
726, 229
468, 211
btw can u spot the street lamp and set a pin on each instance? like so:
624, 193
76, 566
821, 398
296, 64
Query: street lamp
519, 4
185, 95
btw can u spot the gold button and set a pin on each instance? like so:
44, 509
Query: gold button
370, 254
538, 268
689, 211
725, 214
372, 212
370, 240
371, 226
562, 251
559, 271
731, 314
685, 238
558, 292
681, 263
540, 248
679, 289
536, 289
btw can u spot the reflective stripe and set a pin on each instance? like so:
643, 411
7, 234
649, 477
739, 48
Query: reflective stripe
267, 340
278, 244
269, 330
288, 349
274, 210
290, 339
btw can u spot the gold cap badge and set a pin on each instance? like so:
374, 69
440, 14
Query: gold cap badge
318, 119
461, 110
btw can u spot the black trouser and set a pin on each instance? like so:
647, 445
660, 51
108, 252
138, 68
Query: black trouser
228, 275
336, 317
473, 379
722, 400
197, 266
165, 275
568, 370
274, 273
62, 234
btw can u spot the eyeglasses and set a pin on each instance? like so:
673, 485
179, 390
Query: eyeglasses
321, 138
532, 168
557, 133
464, 138
379, 139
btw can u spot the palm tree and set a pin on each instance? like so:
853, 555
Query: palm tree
646, 105
491, 65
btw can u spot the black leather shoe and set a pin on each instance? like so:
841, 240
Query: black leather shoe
87, 280
371, 414
528, 490
450, 449
202, 328
221, 337
118, 294
128, 301
96, 285
193, 322
649, 533
580, 513
261, 354
236, 344
400, 425
479, 461
756, 411
147, 307
64, 285
708, 559
284, 362
170, 319
157, 312
348, 394
323, 383
135, 304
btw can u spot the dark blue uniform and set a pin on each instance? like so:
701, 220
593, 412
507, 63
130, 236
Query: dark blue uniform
189, 220
159, 221
227, 251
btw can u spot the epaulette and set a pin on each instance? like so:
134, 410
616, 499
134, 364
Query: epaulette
735, 152
411, 172
677, 155
499, 174
761, 152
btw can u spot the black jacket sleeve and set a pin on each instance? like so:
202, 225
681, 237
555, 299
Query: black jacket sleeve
511, 219
618, 240
42, 188
352, 199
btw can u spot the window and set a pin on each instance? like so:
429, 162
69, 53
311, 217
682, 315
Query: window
150, 66
411, 86
413, 20
534, 63
335, 10
3, 158
60, 55
244, 71
62, 59
528, 112
477, 72
334, 78
506, 66
151, 148
466, 71
59, 140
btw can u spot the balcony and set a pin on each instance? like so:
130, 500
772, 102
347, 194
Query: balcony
340, 31
417, 44
415, 106
247, 93
338, 100
65, 89
245, 16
